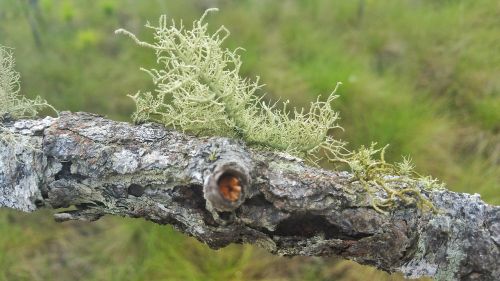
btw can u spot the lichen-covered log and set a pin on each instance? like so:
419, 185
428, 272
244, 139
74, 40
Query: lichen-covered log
221, 192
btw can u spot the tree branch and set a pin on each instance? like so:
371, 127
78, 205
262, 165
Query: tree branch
221, 192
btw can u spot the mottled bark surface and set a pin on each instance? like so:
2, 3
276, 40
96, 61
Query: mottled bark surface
221, 192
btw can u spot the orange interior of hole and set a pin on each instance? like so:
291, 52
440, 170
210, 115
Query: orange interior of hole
230, 187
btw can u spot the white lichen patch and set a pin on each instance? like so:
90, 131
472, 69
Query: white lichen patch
149, 133
418, 268
21, 193
155, 160
31, 127
124, 162
495, 232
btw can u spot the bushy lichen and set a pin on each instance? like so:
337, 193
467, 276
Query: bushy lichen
12, 104
199, 90
399, 181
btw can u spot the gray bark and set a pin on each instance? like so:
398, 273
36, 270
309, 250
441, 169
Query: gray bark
97, 166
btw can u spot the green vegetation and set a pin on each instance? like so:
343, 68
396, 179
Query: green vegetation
420, 75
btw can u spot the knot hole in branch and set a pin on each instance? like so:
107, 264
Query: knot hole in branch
225, 187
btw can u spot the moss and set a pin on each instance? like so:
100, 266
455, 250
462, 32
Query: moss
199, 90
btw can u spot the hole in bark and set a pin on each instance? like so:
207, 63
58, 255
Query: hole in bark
229, 186
65, 173
225, 215
44, 191
309, 225
191, 196
136, 190
39, 203
65, 170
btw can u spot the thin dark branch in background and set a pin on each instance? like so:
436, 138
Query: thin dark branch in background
31, 11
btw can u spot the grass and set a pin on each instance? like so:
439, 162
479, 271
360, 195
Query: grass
419, 75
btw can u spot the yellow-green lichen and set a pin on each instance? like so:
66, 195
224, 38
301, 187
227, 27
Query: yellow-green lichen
12, 104
399, 181
199, 90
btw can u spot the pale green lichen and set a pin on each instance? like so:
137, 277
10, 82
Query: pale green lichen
199, 90
12, 104
398, 181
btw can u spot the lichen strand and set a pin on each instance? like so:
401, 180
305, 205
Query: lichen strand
199, 90
13, 105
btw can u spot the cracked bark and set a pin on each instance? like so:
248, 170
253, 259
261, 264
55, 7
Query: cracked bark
221, 192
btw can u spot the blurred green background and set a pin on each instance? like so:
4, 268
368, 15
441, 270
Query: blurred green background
422, 75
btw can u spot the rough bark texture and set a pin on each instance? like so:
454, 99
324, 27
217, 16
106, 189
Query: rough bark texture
99, 166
